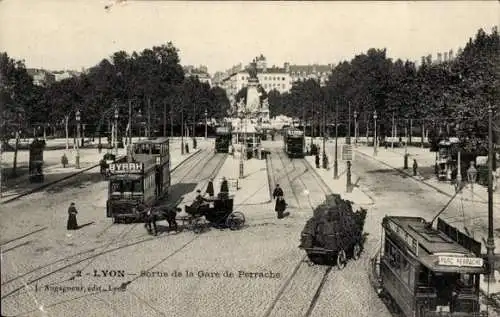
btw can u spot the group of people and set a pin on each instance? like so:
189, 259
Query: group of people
201, 202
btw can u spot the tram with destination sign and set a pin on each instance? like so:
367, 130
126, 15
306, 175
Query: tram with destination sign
223, 137
428, 272
294, 142
144, 179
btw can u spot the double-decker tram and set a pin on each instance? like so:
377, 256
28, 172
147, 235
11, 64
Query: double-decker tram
429, 272
294, 142
143, 180
223, 137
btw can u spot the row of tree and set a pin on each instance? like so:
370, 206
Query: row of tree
450, 95
151, 82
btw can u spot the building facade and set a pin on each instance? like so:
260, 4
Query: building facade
199, 72
41, 77
273, 78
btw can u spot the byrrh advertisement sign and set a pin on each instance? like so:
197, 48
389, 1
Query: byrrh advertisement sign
125, 168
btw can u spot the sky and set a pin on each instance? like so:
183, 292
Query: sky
71, 34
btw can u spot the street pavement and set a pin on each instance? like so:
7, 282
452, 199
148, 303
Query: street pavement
217, 259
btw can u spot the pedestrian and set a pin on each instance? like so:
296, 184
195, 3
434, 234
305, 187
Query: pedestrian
186, 147
415, 167
150, 221
64, 160
317, 160
224, 188
280, 205
210, 188
170, 216
99, 148
195, 143
72, 223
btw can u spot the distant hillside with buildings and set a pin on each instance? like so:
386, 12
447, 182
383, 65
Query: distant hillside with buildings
42, 77
270, 78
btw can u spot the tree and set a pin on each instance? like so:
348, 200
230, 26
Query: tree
18, 95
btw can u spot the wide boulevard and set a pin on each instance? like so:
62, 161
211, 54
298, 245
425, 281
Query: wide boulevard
107, 269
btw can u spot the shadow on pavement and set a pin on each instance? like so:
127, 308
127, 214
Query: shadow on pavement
177, 192
86, 224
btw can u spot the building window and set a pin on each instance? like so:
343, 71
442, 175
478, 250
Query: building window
283, 86
242, 77
283, 78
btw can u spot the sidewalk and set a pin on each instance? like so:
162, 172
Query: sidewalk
394, 158
338, 186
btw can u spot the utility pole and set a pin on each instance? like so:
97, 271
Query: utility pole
164, 118
349, 182
77, 157
393, 131
490, 242
149, 117
182, 131
130, 126
116, 132
375, 133
335, 162
206, 122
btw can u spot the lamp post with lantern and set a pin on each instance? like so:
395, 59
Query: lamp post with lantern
116, 132
77, 156
355, 128
375, 133
206, 122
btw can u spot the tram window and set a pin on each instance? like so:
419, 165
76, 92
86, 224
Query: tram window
467, 280
156, 149
116, 187
405, 269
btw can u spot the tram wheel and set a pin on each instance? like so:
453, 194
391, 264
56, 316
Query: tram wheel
341, 259
356, 251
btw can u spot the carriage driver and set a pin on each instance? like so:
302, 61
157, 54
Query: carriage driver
200, 201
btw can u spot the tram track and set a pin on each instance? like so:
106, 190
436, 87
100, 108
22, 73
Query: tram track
303, 273
288, 178
218, 165
100, 250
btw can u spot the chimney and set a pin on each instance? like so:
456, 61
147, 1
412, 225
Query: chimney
439, 57
428, 59
445, 56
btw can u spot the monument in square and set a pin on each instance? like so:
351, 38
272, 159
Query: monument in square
256, 110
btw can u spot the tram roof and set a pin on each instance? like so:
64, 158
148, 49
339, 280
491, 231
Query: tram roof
430, 240
153, 141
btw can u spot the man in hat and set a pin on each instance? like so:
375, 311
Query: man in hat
199, 201
150, 221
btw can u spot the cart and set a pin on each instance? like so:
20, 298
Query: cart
217, 212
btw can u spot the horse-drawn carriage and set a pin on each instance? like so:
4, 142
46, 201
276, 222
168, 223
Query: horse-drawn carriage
217, 212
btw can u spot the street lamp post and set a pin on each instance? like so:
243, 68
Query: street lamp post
355, 128
375, 133
77, 157
471, 177
405, 162
244, 145
182, 132
116, 132
206, 122
348, 141
335, 162
490, 242
324, 140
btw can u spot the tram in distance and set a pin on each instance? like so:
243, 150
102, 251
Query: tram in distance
143, 180
294, 142
223, 139
428, 272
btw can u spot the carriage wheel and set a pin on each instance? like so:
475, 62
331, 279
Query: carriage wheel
356, 251
235, 220
197, 225
341, 259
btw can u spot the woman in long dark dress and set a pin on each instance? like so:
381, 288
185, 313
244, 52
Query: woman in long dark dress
72, 223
